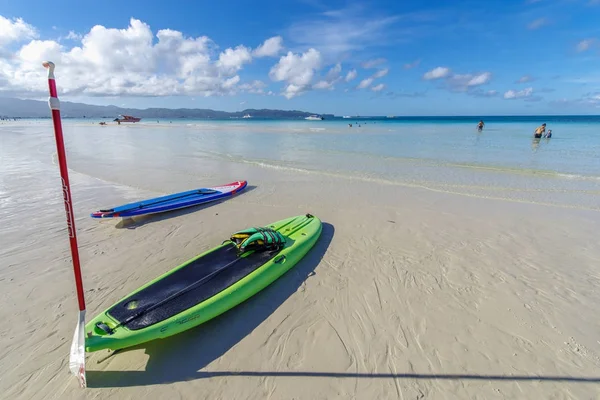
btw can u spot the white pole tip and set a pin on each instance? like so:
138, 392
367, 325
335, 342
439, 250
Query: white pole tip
49, 65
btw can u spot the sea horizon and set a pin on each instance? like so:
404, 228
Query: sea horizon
398, 118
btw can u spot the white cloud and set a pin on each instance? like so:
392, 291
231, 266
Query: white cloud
234, 59
365, 83
323, 85
483, 93
512, 94
16, 30
395, 95
413, 64
351, 75
123, 62
378, 88
270, 48
334, 72
373, 63
297, 70
468, 83
525, 79
479, 79
587, 100
464, 82
593, 79
337, 32
231, 82
538, 23
332, 77
256, 87
73, 36
437, 73
381, 73
293, 90
584, 45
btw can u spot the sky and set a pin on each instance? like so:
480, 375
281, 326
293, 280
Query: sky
380, 57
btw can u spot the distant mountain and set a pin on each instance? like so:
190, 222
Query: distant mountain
10, 107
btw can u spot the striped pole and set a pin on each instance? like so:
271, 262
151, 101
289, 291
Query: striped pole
77, 356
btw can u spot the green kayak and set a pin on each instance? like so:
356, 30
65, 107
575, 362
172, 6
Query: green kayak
205, 286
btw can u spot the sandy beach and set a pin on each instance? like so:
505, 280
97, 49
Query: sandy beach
412, 292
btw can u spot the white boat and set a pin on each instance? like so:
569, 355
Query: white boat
247, 116
314, 118
346, 116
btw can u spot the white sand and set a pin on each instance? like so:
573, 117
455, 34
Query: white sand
409, 294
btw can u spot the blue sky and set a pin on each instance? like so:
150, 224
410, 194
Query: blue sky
405, 58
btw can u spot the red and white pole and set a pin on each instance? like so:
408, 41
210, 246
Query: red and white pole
77, 356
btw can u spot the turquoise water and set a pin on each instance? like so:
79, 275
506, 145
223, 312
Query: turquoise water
449, 155
505, 143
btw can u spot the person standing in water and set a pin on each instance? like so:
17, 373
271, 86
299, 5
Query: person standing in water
539, 131
480, 126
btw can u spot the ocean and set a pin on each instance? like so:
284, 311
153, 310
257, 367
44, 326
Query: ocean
441, 154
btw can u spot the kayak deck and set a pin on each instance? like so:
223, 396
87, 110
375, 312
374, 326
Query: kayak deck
172, 202
169, 200
179, 280
199, 289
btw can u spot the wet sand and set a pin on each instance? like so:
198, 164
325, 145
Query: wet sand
410, 293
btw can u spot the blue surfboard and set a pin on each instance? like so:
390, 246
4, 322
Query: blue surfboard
173, 201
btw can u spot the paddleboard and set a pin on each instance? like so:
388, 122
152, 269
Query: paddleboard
201, 289
173, 201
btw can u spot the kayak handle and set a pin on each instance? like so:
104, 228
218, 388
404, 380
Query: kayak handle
279, 259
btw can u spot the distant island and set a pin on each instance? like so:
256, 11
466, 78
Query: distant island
18, 108
12, 108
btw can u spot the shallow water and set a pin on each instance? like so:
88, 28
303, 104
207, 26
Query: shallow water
502, 162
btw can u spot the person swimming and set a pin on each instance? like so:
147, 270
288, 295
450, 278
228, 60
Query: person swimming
480, 126
539, 131
549, 134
